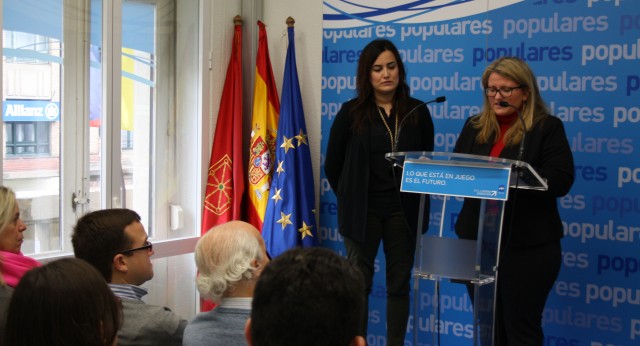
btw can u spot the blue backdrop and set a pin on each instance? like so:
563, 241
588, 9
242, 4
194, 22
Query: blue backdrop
586, 56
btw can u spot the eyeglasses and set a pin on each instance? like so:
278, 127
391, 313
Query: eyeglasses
505, 92
147, 246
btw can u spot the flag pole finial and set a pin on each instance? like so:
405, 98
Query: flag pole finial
237, 20
290, 22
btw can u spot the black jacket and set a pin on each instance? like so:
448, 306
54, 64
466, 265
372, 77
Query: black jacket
537, 220
347, 167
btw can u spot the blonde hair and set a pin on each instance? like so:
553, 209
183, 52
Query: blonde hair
8, 204
533, 109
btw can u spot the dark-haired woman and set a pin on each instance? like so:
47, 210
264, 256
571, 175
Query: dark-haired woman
371, 209
66, 302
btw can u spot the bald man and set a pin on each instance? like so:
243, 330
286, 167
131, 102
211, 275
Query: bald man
229, 258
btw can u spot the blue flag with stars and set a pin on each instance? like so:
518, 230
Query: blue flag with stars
290, 219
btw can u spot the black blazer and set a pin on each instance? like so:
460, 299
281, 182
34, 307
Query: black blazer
536, 218
347, 168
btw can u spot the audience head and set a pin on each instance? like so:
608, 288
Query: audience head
229, 259
307, 296
115, 242
65, 302
11, 225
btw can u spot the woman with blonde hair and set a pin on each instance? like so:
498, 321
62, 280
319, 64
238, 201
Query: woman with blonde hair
530, 251
14, 263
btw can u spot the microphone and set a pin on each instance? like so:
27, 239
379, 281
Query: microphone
438, 99
524, 127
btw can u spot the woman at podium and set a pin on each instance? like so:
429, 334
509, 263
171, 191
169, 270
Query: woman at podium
382, 118
515, 124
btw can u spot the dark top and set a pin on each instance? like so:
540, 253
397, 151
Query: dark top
348, 162
5, 298
381, 182
537, 220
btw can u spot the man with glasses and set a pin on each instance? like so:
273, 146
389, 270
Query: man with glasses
116, 243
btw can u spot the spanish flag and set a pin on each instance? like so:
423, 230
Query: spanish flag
264, 124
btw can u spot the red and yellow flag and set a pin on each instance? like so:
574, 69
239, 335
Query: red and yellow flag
266, 110
225, 181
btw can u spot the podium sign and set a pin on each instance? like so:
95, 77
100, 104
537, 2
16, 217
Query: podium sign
485, 181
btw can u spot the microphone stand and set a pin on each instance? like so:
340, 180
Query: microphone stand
439, 99
393, 173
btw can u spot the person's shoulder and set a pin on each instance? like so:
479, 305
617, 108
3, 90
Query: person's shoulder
350, 101
552, 118
6, 291
344, 112
216, 327
346, 105
163, 311
200, 321
146, 324
549, 121
142, 310
412, 102
472, 119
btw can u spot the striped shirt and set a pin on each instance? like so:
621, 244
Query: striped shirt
126, 291
236, 303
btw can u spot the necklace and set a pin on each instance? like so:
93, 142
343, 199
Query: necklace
392, 136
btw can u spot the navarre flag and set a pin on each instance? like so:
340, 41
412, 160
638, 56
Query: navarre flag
225, 179
290, 219
263, 133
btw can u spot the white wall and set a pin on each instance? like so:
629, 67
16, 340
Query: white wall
308, 39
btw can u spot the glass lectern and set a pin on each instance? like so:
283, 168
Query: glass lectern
468, 261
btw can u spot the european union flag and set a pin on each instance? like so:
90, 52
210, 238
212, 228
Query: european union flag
290, 218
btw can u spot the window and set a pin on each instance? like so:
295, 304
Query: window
27, 138
114, 124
